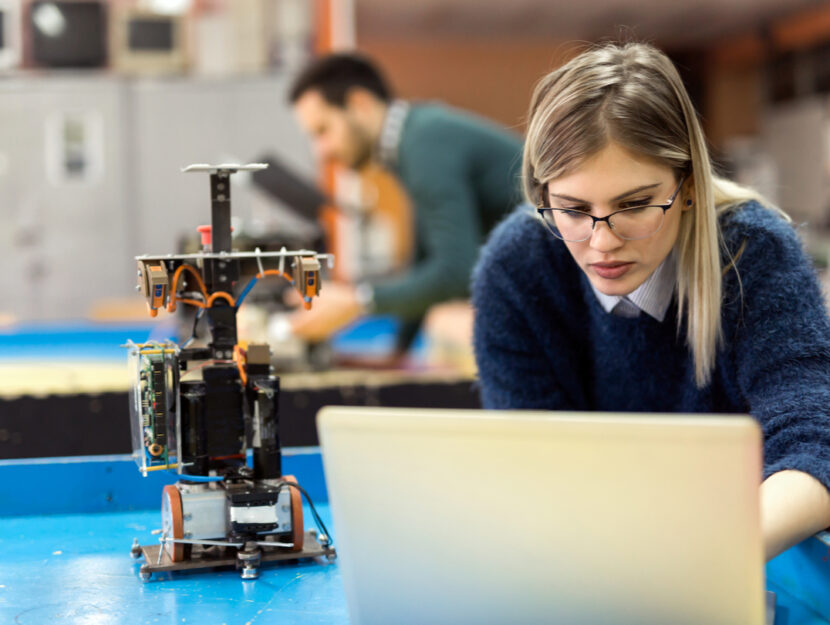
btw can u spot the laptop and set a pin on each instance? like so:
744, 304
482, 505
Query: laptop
478, 517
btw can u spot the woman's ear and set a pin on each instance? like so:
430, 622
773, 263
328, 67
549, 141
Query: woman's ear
688, 193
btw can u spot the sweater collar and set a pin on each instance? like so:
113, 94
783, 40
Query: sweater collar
390, 133
652, 297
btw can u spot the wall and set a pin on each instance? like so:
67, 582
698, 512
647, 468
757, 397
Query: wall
494, 78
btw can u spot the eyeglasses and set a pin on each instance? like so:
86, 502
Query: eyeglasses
637, 222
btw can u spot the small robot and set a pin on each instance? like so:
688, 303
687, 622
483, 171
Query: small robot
210, 414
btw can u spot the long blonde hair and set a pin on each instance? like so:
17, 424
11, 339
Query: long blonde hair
632, 94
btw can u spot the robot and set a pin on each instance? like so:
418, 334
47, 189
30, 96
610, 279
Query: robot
210, 414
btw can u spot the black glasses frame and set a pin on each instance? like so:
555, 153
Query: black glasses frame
542, 210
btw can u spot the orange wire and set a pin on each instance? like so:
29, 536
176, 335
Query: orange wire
192, 302
223, 294
177, 274
238, 356
275, 272
174, 285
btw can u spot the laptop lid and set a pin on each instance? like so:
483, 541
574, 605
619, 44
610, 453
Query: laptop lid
452, 516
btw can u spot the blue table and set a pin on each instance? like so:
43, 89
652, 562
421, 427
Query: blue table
68, 525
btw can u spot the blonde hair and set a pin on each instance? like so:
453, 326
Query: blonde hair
632, 94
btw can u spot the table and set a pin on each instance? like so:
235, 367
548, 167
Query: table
69, 525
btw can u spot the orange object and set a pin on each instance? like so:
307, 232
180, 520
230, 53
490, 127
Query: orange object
239, 359
173, 504
275, 272
214, 296
296, 514
174, 285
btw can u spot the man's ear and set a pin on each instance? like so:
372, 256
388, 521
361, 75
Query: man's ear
359, 100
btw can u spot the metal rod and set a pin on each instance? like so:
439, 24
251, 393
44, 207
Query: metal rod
227, 255
266, 543
217, 543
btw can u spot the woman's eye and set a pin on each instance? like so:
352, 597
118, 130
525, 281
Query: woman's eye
636, 203
582, 209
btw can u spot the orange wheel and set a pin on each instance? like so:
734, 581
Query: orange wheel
297, 527
172, 524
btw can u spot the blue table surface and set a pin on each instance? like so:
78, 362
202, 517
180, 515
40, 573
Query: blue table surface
69, 525
76, 569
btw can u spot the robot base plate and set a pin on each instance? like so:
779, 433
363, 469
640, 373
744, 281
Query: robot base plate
208, 558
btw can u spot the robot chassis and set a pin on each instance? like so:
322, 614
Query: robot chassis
219, 430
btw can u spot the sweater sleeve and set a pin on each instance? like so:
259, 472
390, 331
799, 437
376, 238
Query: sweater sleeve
449, 233
782, 349
513, 367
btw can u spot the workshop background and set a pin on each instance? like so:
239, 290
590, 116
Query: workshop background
97, 126
94, 131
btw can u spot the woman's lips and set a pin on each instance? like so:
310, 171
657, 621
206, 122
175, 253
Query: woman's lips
611, 271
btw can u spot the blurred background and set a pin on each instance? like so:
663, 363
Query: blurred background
103, 102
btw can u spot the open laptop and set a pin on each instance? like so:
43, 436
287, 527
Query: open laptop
478, 517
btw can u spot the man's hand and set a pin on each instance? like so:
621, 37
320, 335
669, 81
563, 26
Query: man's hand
336, 307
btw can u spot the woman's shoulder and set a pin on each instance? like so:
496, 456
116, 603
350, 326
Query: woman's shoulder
766, 250
759, 230
751, 218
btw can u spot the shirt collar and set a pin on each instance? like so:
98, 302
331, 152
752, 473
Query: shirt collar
390, 133
653, 296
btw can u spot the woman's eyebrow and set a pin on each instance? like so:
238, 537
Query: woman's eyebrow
644, 187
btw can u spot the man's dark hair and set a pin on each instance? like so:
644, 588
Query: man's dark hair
333, 75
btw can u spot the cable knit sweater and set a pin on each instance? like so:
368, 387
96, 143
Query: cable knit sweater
543, 341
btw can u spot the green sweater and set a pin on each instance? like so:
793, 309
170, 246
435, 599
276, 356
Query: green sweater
462, 175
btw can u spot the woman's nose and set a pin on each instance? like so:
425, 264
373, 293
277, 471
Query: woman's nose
603, 237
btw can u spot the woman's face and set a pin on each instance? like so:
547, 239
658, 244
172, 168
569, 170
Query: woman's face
612, 180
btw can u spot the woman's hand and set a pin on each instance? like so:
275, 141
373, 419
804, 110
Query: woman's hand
794, 506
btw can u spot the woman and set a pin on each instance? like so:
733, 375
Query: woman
643, 282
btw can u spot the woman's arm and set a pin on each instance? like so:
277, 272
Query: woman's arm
794, 506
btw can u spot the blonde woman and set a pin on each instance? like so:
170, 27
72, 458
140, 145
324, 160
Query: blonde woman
644, 282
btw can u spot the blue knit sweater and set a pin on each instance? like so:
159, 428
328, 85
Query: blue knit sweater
543, 341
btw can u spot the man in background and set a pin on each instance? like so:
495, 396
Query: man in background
461, 173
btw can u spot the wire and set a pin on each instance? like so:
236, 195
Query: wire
320, 525
192, 302
245, 291
218, 294
240, 358
177, 274
199, 314
201, 478
255, 279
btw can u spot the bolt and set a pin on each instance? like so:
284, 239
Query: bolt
137, 287
221, 197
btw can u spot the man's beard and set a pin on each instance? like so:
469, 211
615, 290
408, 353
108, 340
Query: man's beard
363, 148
